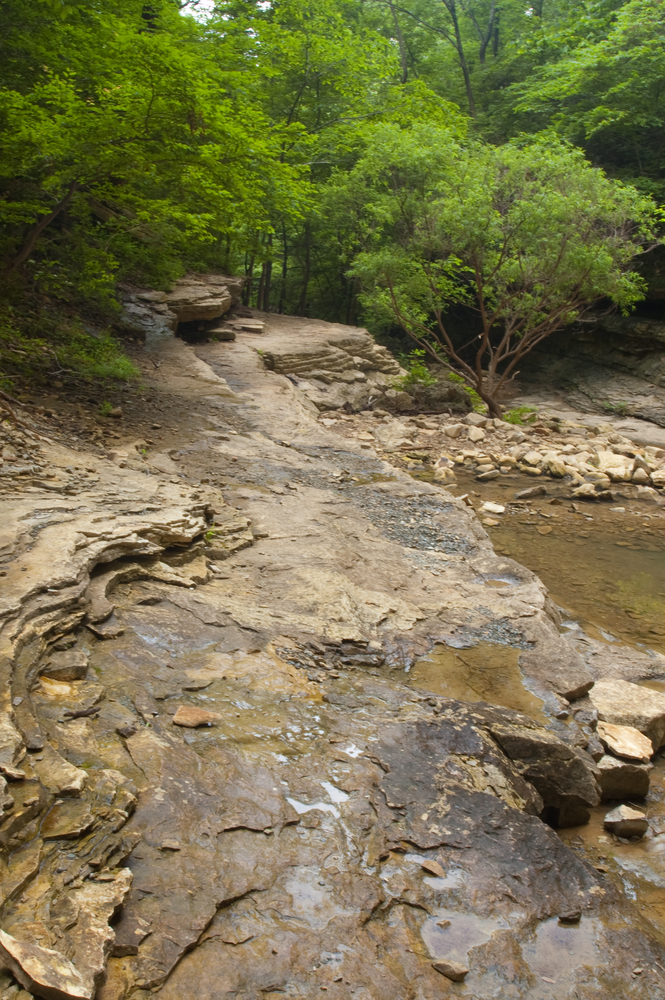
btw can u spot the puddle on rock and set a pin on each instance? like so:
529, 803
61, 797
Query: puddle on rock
451, 934
486, 672
557, 951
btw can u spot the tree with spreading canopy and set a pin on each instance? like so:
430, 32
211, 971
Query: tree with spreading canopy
528, 237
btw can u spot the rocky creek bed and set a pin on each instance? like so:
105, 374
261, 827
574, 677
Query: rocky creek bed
277, 720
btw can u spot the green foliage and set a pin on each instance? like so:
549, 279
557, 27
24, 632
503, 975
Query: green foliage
477, 403
621, 409
520, 415
528, 236
417, 372
67, 351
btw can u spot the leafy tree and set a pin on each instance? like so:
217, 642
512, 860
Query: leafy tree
528, 236
128, 144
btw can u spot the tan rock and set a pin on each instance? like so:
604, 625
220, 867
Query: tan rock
57, 774
625, 741
43, 971
475, 433
69, 665
452, 430
658, 478
626, 704
556, 468
451, 970
622, 779
475, 420
191, 717
624, 821
532, 458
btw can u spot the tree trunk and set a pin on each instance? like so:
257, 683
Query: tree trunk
247, 290
452, 10
285, 260
402, 47
36, 230
302, 305
268, 273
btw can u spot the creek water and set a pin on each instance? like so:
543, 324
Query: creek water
604, 566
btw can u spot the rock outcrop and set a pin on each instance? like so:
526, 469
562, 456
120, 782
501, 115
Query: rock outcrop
221, 779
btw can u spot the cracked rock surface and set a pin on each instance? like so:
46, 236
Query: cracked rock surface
219, 780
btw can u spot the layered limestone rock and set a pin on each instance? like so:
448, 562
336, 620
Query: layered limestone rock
246, 793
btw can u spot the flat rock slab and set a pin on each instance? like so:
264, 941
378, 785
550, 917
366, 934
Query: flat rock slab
624, 704
625, 741
43, 971
454, 971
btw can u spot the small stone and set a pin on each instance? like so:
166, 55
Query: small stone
71, 665
532, 458
571, 917
533, 491
452, 430
485, 477
492, 508
434, 867
191, 717
116, 412
475, 433
170, 845
658, 478
475, 420
556, 468
627, 822
451, 970
640, 477
585, 492
625, 741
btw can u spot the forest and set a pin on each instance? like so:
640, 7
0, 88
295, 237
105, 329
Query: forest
360, 161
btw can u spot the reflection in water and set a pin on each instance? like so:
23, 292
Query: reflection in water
557, 951
602, 562
486, 672
450, 934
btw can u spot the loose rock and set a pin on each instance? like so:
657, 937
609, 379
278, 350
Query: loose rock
191, 717
454, 971
624, 741
626, 704
622, 779
626, 822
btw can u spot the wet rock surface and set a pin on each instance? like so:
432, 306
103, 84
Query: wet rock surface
318, 822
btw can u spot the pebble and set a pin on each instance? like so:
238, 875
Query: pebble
454, 971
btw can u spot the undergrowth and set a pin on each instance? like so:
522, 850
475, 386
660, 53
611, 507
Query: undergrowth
36, 349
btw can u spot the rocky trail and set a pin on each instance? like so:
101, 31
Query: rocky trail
231, 765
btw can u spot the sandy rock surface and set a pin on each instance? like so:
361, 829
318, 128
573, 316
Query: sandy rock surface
337, 827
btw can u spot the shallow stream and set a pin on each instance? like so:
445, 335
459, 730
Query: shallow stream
604, 565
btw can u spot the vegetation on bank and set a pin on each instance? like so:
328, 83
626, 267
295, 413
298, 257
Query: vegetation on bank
377, 162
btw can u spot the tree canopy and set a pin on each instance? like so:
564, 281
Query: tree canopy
141, 140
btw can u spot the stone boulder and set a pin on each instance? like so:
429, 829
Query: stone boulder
624, 704
624, 741
193, 299
626, 822
564, 777
622, 779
